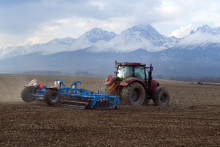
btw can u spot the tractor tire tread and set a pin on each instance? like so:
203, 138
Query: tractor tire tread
159, 91
126, 96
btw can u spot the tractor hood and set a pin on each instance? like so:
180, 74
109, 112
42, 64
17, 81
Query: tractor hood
127, 81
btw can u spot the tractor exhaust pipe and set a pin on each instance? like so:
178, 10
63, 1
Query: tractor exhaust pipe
150, 77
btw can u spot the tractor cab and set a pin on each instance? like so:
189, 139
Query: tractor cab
126, 70
136, 72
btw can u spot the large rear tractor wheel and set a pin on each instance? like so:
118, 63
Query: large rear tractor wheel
161, 96
133, 94
52, 97
26, 94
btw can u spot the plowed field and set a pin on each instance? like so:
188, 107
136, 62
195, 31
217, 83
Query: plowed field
192, 119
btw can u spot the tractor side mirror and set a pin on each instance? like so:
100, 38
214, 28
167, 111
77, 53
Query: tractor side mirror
151, 68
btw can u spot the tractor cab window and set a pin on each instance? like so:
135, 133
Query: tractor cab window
125, 72
139, 72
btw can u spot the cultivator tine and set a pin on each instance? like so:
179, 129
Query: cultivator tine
74, 104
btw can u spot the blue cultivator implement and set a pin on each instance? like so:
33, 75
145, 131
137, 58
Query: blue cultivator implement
74, 96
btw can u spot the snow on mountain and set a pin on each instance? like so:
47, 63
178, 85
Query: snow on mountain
56, 45
203, 35
11, 51
91, 38
98, 34
139, 36
207, 29
53, 46
195, 55
88, 39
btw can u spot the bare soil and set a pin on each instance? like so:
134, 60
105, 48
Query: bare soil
192, 119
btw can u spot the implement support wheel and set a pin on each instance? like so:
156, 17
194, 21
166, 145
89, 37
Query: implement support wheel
26, 94
52, 97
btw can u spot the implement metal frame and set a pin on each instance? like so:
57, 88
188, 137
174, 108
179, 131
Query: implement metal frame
75, 92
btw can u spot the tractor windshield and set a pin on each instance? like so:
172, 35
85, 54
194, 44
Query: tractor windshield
125, 72
139, 72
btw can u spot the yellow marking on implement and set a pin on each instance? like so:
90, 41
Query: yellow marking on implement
81, 85
111, 87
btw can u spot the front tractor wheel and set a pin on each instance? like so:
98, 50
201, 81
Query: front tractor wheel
133, 94
161, 96
52, 97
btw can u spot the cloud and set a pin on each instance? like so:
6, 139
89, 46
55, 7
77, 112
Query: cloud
25, 17
7, 40
41, 20
182, 31
100, 5
217, 24
74, 27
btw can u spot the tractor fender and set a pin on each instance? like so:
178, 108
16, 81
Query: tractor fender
111, 81
127, 81
154, 84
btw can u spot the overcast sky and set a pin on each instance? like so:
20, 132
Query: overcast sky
37, 21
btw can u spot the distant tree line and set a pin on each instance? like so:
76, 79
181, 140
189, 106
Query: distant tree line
59, 73
189, 79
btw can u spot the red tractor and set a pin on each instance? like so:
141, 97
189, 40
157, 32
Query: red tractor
133, 86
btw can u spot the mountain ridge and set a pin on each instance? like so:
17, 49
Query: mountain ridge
97, 40
138, 36
97, 52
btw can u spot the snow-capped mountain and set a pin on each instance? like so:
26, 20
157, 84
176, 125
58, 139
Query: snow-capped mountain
139, 36
97, 34
91, 38
195, 55
54, 46
202, 36
88, 39
98, 40
207, 29
57, 45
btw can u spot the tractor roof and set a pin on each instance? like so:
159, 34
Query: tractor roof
130, 64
